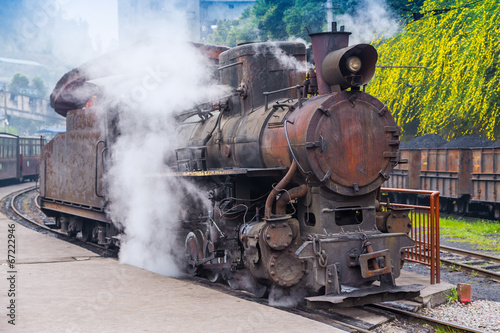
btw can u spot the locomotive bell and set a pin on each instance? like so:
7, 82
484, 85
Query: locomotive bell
352, 66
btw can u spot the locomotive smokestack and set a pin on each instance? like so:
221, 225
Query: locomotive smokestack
339, 66
322, 44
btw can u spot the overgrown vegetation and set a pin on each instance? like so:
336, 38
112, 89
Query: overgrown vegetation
453, 296
484, 234
458, 91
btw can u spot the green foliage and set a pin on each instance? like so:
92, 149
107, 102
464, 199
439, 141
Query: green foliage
271, 20
19, 82
484, 234
40, 86
282, 19
304, 15
453, 296
460, 94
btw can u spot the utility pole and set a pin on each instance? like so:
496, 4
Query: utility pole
4, 91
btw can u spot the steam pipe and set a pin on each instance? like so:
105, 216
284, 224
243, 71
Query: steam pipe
294, 193
281, 185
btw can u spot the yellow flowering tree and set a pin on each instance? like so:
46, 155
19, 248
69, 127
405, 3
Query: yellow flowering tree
441, 73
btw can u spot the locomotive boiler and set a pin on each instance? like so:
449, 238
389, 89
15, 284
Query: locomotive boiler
292, 166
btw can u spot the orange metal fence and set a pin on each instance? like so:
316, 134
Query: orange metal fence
424, 231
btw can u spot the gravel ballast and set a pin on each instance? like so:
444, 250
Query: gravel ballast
481, 315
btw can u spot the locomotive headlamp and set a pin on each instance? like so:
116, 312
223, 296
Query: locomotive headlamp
354, 64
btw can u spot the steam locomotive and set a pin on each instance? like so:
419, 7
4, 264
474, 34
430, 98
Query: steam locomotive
292, 166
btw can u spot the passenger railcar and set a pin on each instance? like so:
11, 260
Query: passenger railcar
19, 157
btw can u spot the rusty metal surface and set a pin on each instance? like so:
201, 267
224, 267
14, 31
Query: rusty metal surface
447, 171
406, 175
346, 141
261, 71
68, 208
394, 220
69, 161
346, 249
486, 175
324, 43
365, 296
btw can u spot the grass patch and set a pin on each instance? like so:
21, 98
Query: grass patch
484, 234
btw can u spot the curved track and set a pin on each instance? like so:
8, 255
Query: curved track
22, 207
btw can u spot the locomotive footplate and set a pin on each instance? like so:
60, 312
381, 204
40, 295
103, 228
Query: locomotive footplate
365, 296
354, 269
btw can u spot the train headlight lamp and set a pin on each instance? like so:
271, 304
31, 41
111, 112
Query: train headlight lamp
354, 64
349, 67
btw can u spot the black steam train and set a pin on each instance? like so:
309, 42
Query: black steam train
292, 167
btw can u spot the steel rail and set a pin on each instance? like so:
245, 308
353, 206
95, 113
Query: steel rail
471, 268
28, 219
486, 273
13, 207
427, 319
473, 254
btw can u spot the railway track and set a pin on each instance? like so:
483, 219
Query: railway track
20, 207
421, 319
475, 262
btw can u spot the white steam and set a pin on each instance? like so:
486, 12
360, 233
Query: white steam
150, 82
287, 299
285, 60
373, 20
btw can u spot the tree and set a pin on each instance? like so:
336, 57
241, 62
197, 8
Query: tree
459, 92
282, 19
304, 15
18, 83
38, 84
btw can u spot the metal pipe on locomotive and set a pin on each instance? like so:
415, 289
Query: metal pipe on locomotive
293, 180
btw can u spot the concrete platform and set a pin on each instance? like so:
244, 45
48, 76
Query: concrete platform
432, 295
60, 287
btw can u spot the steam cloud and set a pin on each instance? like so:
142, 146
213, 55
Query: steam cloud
373, 20
154, 80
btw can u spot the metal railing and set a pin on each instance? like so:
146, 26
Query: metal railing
424, 230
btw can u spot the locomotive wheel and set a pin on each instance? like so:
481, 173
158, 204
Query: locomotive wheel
211, 275
194, 252
86, 234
